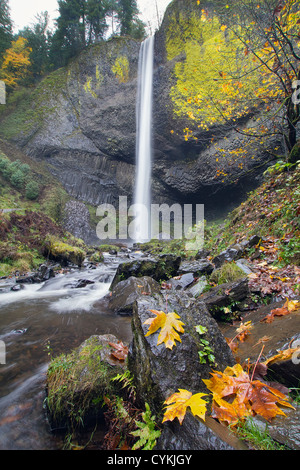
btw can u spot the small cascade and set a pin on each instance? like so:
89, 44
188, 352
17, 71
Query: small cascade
144, 141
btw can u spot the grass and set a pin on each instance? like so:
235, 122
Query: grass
256, 436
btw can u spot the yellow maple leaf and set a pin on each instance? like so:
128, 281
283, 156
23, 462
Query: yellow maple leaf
292, 305
169, 324
178, 403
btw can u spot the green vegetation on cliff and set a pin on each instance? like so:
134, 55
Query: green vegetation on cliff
31, 210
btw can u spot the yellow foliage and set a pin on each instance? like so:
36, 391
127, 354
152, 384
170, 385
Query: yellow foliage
121, 69
15, 62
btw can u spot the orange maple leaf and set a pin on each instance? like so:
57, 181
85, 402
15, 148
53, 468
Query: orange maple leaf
288, 307
169, 324
236, 396
120, 350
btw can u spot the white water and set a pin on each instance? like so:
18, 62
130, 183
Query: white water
144, 140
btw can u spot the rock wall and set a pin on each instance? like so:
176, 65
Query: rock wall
81, 120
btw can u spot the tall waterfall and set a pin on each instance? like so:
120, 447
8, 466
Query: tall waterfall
144, 140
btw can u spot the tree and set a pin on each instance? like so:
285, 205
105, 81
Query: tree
5, 28
96, 20
269, 32
241, 62
84, 22
16, 62
127, 12
38, 40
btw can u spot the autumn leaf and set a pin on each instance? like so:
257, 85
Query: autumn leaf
120, 350
236, 396
283, 355
288, 307
178, 403
169, 324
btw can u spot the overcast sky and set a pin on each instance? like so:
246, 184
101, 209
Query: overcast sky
23, 12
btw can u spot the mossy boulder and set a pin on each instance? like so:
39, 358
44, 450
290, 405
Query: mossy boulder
62, 252
77, 382
159, 268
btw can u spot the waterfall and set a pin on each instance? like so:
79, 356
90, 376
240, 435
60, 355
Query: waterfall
142, 197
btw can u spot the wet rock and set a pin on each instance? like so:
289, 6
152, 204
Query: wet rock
75, 392
202, 254
193, 434
284, 429
127, 292
159, 371
225, 295
159, 268
234, 252
198, 267
230, 254
44, 273
181, 282
243, 265
82, 283
17, 287
198, 287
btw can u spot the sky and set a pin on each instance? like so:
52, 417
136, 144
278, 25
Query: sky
23, 12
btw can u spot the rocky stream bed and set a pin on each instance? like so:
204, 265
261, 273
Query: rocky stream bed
108, 303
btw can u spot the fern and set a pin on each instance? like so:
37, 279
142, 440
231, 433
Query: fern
146, 432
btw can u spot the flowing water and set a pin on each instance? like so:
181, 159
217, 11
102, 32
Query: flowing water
49, 317
144, 139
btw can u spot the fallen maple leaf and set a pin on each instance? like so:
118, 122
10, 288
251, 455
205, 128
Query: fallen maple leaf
292, 305
169, 324
263, 339
236, 396
283, 355
178, 403
120, 350
288, 307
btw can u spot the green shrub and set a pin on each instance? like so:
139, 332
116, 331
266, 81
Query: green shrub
17, 179
32, 190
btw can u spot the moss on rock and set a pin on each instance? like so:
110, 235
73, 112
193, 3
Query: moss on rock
78, 382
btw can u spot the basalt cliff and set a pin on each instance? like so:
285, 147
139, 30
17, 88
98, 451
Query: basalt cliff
81, 120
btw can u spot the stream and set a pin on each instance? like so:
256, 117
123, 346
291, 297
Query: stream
41, 319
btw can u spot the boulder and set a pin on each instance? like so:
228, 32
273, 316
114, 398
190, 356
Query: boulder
181, 282
230, 254
44, 273
159, 371
82, 283
77, 382
225, 295
198, 268
160, 268
125, 293
198, 287
193, 434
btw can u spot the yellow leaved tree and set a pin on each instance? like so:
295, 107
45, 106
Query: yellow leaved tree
15, 64
235, 61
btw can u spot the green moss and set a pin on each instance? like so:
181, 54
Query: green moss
63, 252
77, 383
229, 272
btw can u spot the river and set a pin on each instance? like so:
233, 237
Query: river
42, 319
